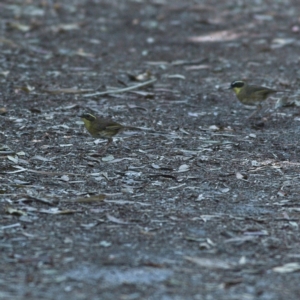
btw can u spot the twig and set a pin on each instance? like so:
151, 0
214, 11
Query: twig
52, 173
10, 226
66, 91
130, 88
32, 198
20, 169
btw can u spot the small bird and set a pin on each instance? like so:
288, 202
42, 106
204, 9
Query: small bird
252, 95
102, 128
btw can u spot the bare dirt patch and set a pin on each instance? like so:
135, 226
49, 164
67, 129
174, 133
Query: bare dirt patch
201, 204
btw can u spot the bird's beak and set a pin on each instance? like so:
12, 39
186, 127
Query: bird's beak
230, 88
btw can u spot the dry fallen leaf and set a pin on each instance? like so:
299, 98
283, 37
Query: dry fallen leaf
7, 42
210, 263
255, 163
65, 27
116, 220
105, 244
3, 111
26, 88
56, 211
281, 42
206, 218
4, 73
19, 26
14, 159
197, 67
287, 268
89, 225
200, 197
64, 178
183, 168
140, 77
122, 202
218, 36
13, 211
82, 53
256, 233
240, 240
240, 176
155, 166
41, 158
108, 158
214, 128
176, 76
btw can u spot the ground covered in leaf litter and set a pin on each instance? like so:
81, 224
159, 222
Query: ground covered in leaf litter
202, 205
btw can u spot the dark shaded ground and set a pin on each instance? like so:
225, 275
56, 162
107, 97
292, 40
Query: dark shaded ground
205, 208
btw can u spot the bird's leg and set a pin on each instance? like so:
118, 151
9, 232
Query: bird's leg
272, 111
103, 151
259, 107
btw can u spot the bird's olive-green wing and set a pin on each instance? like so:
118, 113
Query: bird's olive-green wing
106, 128
104, 124
114, 127
262, 92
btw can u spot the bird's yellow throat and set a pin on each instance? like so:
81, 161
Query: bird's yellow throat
237, 90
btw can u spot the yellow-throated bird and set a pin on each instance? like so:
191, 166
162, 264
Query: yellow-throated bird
251, 94
103, 128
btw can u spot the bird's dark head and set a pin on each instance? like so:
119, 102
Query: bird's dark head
238, 84
88, 117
